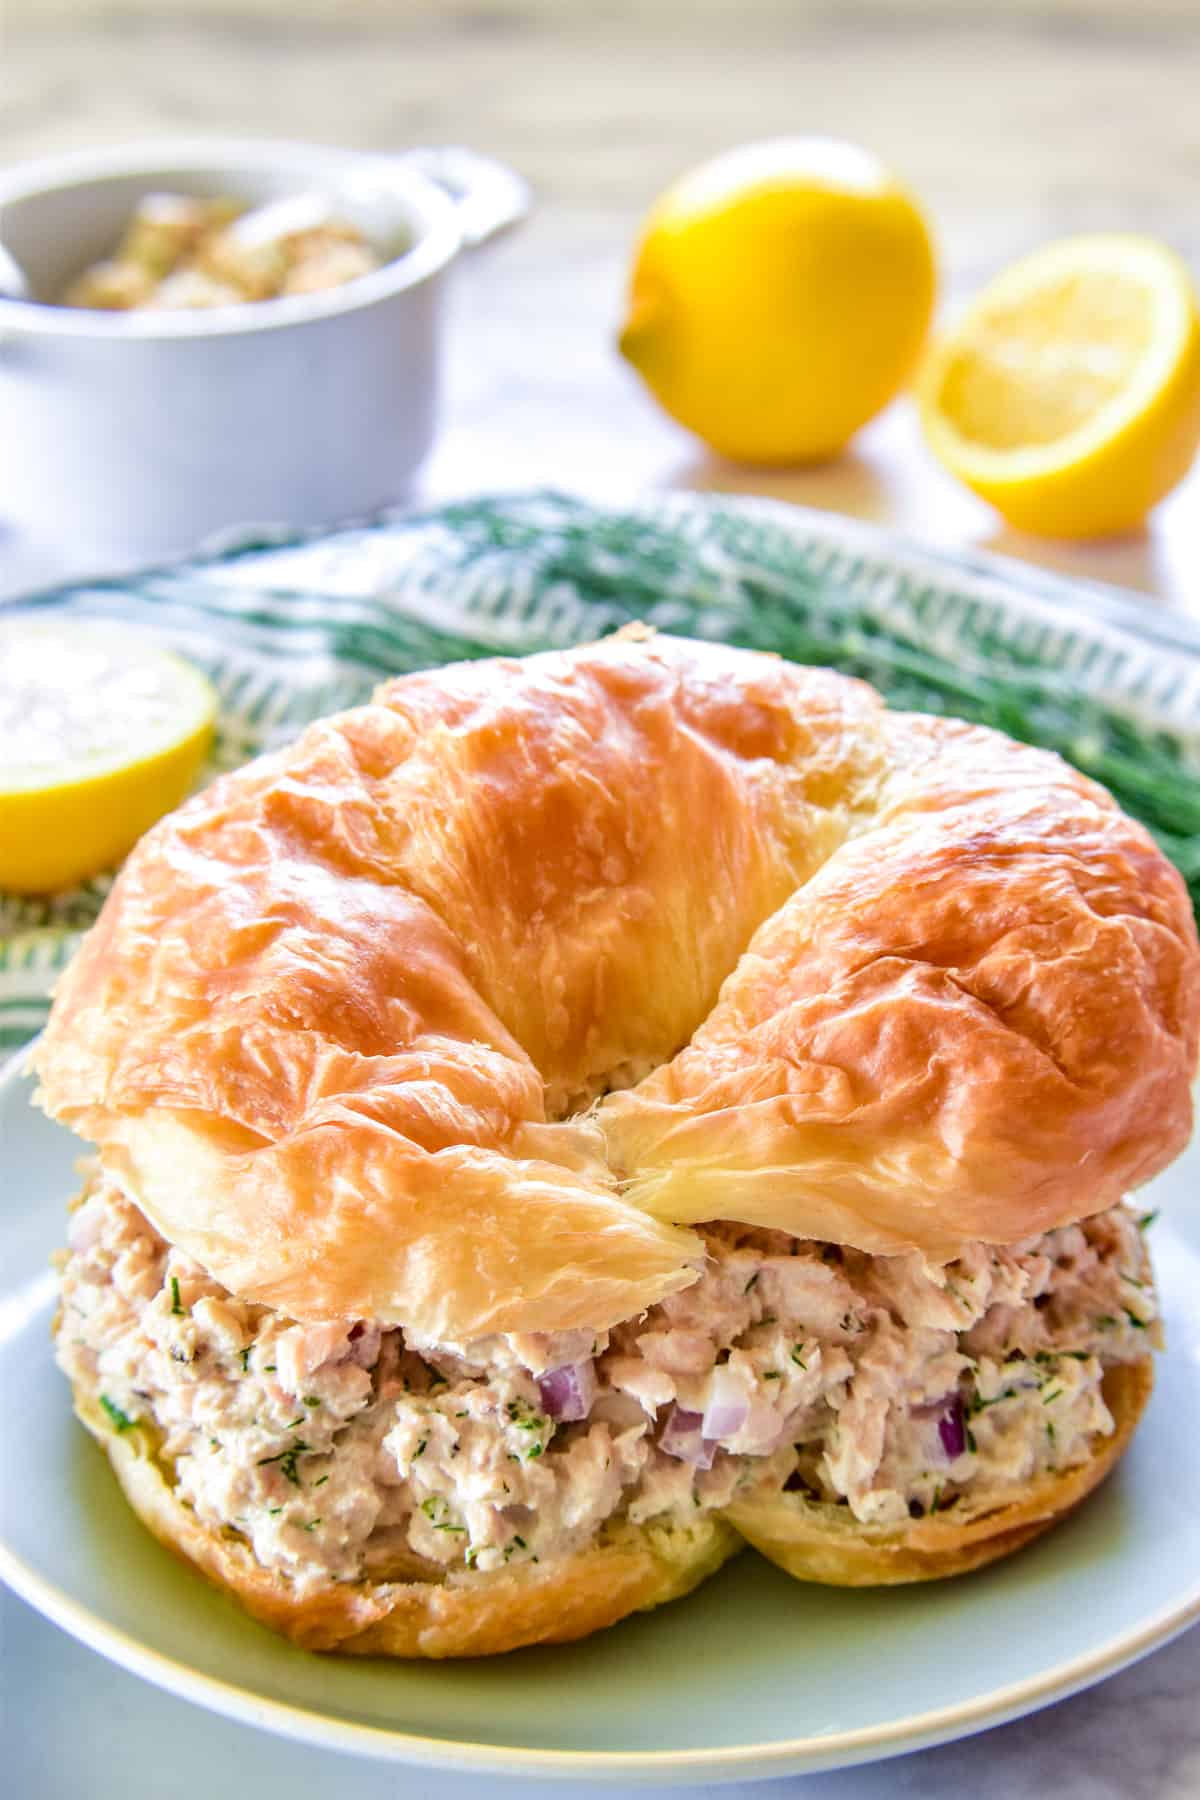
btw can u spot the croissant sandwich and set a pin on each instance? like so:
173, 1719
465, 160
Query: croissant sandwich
574, 1116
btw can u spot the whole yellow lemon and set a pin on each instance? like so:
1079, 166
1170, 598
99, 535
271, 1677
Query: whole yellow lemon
779, 298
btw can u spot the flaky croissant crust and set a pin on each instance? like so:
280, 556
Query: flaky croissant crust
868, 977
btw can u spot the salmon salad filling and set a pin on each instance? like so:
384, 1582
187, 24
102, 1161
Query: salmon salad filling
890, 1385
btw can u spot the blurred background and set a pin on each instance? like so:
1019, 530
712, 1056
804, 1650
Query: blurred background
1016, 121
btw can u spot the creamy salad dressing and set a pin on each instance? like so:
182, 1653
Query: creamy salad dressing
891, 1385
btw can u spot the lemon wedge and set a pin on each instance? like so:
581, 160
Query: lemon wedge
779, 298
101, 732
1069, 394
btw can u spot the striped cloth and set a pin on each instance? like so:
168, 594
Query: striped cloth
288, 629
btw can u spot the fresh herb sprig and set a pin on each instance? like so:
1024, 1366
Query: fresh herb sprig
287, 1460
119, 1420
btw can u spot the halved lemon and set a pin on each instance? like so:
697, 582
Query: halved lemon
101, 732
1069, 394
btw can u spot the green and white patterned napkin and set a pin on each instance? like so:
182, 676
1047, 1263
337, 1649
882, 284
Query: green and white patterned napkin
288, 630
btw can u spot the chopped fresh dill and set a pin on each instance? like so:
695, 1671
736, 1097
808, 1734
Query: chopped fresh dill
320, 1482
772, 1375
420, 1449
797, 1358
1147, 1219
437, 1510
246, 1360
1138, 1324
526, 1420
312, 1400
1055, 1394
117, 1418
752, 1281
287, 1461
176, 1308
978, 1404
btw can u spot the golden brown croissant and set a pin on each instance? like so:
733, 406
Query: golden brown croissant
452, 1018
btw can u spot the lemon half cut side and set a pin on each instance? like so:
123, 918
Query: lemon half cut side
1068, 395
101, 732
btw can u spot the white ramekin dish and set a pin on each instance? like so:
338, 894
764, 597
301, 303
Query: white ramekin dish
140, 433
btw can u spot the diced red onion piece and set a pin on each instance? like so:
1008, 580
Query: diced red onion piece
683, 1438
950, 1417
567, 1393
725, 1419
952, 1429
728, 1407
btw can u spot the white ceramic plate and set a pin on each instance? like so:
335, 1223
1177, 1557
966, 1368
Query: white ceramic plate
754, 1675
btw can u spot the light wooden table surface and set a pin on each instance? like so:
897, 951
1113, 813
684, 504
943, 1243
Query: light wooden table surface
1016, 124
